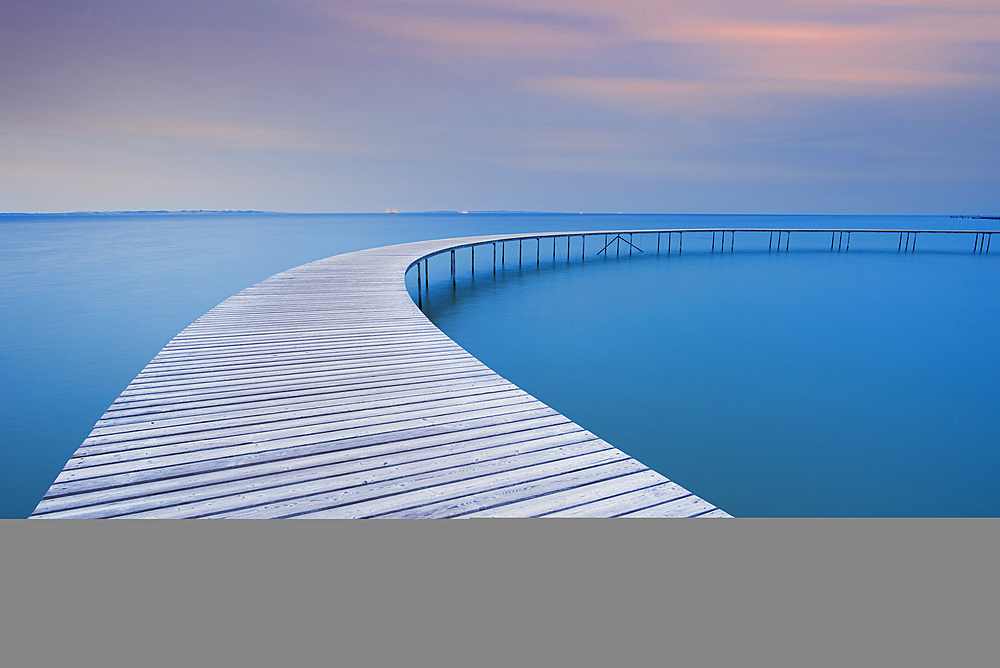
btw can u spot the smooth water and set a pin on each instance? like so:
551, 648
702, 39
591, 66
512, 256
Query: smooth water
807, 383
799, 384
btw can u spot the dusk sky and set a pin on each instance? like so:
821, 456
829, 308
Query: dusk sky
783, 106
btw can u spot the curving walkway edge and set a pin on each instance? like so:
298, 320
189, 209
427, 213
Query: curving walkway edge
323, 391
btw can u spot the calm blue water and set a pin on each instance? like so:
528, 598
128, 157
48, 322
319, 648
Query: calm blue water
805, 383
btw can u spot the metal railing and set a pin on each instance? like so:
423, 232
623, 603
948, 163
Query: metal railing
672, 241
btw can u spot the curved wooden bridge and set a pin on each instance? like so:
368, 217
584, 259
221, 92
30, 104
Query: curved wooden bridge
324, 391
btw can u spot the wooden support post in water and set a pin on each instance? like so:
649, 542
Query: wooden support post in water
670, 238
567, 248
848, 248
618, 244
453, 269
680, 243
788, 234
912, 248
503, 253
473, 260
658, 242
900, 242
770, 238
538, 251
988, 240
975, 245
583, 249
519, 244
713, 239
732, 239
553, 249
494, 258
832, 235
630, 244
906, 249
420, 291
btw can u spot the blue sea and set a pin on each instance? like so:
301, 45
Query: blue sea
806, 383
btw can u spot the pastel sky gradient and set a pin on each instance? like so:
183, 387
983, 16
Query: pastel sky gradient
783, 106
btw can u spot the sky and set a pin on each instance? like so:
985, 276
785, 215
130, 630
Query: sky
777, 106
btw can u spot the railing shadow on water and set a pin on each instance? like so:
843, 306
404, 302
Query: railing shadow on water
505, 252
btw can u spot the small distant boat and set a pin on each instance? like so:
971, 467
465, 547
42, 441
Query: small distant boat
390, 211
463, 212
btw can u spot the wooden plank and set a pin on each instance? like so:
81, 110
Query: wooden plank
331, 471
307, 392
631, 501
456, 499
715, 513
258, 424
294, 499
485, 436
571, 501
355, 401
311, 383
688, 506
285, 437
141, 460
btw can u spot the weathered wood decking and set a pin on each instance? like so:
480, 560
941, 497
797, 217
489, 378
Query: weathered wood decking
323, 391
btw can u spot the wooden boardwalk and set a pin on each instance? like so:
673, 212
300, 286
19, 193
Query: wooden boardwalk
323, 391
